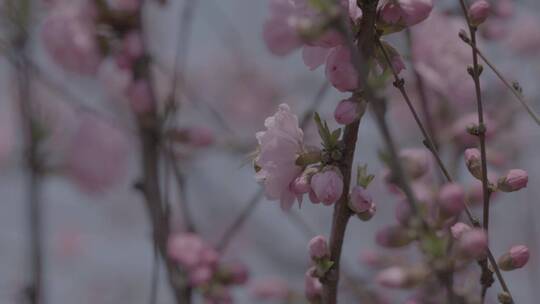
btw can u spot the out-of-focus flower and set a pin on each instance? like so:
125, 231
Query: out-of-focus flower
96, 156
131, 49
393, 237
415, 161
400, 277
473, 243
270, 289
451, 199
517, 257
327, 185
524, 35
514, 180
69, 36
458, 229
279, 146
314, 56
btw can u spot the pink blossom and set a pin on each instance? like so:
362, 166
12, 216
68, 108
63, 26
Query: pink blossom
473, 243
279, 146
327, 185
393, 277
200, 276
451, 199
346, 111
406, 12
458, 229
313, 287
359, 200
514, 180
314, 56
519, 255
69, 36
479, 12
96, 156
415, 161
318, 248
340, 70
473, 162
279, 32
301, 184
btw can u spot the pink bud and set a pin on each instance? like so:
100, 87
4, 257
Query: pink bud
451, 199
393, 237
327, 185
314, 56
340, 70
359, 200
473, 243
514, 180
346, 112
458, 229
520, 255
473, 162
415, 161
406, 12
140, 96
393, 277
185, 249
318, 248
313, 197
517, 257
301, 185
368, 214
312, 287
371, 258
479, 12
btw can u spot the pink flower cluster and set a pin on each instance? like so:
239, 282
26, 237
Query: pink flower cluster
201, 263
295, 24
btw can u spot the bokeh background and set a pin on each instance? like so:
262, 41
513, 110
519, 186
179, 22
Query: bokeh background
98, 245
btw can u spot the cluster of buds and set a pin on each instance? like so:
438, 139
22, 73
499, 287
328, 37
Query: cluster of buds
201, 264
320, 256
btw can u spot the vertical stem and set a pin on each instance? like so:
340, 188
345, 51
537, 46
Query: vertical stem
34, 172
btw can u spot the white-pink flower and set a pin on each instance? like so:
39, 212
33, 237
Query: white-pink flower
279, 147
96, 157
69, 35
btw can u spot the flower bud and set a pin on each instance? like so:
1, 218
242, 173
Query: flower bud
451, 199
403, 212
368, 214
473, 244
517, 257
415, 162
318, 248
300, 185
479, 12
393, 237
473, 162
327, 185
458, 229
359, 200
312, 287
340, 70
346, 111
514, 180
